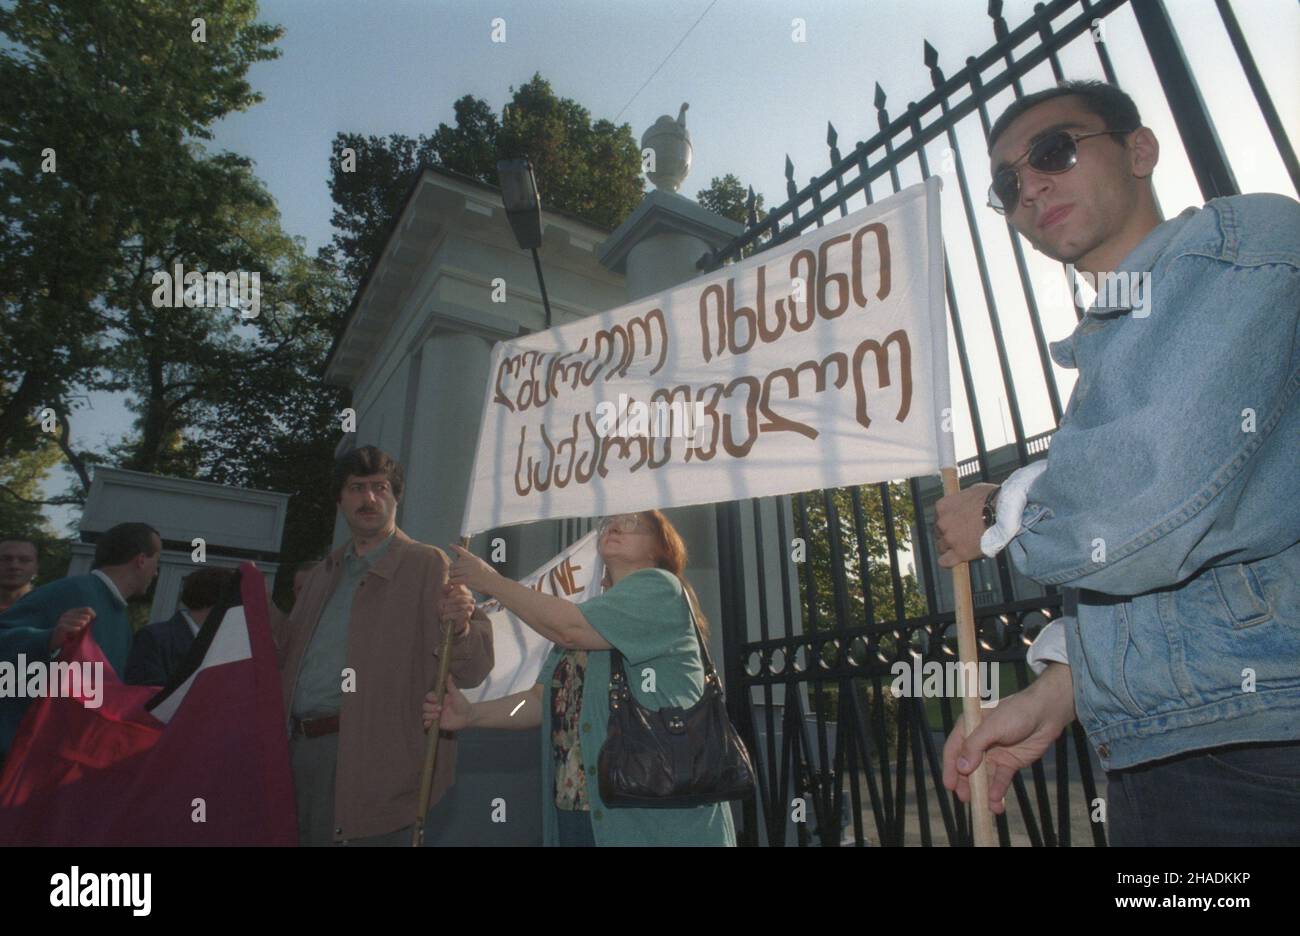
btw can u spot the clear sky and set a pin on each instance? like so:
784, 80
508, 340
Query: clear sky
756, 95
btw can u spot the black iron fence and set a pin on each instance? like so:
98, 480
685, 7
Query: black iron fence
840, 759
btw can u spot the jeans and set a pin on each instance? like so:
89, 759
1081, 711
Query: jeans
1243, 794
574, 828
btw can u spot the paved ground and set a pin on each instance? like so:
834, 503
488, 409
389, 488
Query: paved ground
1080, 826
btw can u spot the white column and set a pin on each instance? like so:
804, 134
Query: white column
656, 249
176, 565
453, 377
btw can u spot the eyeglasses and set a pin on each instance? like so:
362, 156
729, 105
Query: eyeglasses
623, 523
1056, 152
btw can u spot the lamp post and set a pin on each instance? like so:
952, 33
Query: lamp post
524, 209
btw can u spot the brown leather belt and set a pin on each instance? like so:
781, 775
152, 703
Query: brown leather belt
329, 724
315, 727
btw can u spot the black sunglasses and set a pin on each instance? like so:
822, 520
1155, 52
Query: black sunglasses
1056, 152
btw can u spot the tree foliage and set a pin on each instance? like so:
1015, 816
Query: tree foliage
21, 504
591, 169
729, 197
886, 606
104, 101
867, 596
106, 181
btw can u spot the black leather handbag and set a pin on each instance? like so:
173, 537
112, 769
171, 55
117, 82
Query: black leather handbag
671, 758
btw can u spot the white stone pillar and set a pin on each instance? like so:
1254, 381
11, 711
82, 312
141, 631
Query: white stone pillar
657, 248
453, 376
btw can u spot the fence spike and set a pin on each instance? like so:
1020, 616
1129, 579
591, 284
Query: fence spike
932, 63
999, 21
882, 115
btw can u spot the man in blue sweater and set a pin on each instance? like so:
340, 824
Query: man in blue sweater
37, 626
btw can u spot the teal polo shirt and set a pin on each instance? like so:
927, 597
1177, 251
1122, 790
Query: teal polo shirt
646, 617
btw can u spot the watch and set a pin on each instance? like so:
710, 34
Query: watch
991, 508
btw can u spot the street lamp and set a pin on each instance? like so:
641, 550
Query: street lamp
524, 209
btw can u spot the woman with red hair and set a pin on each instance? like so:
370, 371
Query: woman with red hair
644, 614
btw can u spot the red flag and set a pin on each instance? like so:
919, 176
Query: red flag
205, 762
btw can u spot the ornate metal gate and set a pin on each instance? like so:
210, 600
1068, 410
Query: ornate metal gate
833, 747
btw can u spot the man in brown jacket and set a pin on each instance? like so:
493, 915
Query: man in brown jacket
358, 653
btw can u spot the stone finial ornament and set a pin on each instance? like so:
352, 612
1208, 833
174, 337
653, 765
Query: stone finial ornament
671, 143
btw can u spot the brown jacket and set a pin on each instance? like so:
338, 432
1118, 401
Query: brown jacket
394, 639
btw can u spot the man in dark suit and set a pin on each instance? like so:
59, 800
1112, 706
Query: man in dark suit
159, 649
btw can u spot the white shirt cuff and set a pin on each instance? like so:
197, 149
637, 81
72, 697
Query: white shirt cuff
1049, 646
1011, 507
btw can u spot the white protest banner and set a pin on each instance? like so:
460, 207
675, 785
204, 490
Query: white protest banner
819, 363
520, 651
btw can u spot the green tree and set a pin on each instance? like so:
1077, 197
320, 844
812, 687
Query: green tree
272, 423
470, 147
874, 546
370, 177
21, 503
849, 606
591, 169
171, 359
729, 197
22, 506
125, 92
102, 101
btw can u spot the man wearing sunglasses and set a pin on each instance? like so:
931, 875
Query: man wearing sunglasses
1167, 507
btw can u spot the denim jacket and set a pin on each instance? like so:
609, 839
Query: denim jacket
1170, 507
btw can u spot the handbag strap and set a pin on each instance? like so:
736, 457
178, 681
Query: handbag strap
618, 672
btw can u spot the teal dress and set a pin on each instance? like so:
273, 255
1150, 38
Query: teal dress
646, 617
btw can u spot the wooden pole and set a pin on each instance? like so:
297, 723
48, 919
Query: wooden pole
431, 746
967, 651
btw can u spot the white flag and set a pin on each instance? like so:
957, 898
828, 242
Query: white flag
520, 651
817, 364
